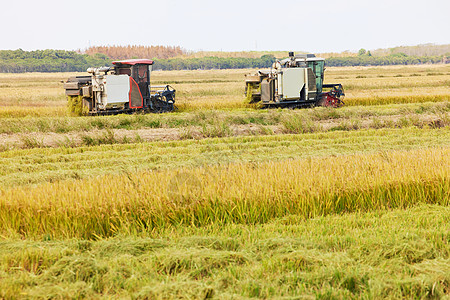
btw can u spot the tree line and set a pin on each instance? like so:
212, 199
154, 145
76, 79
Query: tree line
19, 61
366, 59
207, 63
418, 50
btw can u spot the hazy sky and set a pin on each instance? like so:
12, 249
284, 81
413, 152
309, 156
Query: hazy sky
230, 25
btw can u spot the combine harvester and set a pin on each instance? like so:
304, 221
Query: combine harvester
124, 88
294, 82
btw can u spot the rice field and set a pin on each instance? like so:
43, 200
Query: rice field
222, 200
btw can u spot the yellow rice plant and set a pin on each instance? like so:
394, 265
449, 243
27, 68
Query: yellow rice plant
27, 111
247, 193
385, 100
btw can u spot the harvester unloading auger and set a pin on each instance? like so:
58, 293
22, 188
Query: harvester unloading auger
124, 88
294, 82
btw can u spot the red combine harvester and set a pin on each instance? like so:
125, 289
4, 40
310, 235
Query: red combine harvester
124, 88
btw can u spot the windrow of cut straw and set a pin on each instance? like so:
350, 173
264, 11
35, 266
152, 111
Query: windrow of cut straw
247, 193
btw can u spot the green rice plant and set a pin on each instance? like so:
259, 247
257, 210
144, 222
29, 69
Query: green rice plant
348, 125
188, 133
299, 124
106, 138
217, 129
198, 118
392, 253
67, 142
31, 142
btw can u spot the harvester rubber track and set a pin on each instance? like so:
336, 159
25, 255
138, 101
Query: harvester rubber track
289, 105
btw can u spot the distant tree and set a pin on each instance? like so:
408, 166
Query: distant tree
361, 52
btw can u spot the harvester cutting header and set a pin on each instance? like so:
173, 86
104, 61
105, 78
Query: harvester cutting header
124, 88
294, 82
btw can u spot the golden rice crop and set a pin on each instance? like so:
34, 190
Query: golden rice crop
237, 193
18, 111
384, 100
39, 165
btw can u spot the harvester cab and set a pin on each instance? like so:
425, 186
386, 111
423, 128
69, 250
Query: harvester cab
124, 88
294, 82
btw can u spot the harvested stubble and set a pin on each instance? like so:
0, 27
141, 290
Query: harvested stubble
246, 193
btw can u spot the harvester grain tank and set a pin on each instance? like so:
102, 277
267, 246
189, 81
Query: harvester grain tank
124, 88
294, 82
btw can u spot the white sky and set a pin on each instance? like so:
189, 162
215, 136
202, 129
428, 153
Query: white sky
230, 25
